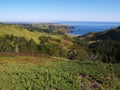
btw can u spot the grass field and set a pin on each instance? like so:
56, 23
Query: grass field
16, 30
20, 32
53, 73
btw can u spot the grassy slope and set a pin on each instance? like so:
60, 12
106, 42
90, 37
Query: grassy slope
113, 34
20, 32
43, 73
17, 31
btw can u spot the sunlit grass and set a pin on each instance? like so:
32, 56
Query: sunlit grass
44, 72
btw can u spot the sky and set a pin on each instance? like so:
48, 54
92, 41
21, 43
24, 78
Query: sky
59, 10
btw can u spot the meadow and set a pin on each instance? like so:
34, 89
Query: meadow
19, 31
53, 73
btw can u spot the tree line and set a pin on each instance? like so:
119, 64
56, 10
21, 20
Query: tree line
11, 43
106, 50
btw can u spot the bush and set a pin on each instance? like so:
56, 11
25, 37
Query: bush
107, 50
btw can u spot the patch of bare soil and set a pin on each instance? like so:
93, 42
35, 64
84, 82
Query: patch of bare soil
88, 83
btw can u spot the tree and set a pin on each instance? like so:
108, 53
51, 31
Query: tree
31, 46
77, 52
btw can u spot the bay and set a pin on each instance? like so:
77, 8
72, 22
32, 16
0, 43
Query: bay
80, 28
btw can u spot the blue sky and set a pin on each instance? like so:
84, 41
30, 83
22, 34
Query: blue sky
59, 10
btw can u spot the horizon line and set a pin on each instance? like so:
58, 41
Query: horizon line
55, 21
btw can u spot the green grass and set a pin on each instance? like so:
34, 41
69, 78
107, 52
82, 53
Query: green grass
16, 30
20, 32
43, 73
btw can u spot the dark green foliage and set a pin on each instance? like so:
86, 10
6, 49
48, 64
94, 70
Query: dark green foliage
77, 52
79, 42
31, 28
31, 46
113, 34
6, 45
47, 47
109, 50
9, 42
106, 46
50, 29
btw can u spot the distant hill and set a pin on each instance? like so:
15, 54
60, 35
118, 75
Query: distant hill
112, 34
105, 45
33, 31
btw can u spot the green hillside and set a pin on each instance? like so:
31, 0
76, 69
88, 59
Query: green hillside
34, 31
104, 45
34, 39
111, 34
20, 32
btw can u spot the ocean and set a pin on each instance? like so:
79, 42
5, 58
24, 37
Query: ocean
81, 28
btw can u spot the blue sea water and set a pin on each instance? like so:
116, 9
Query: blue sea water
80, 28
